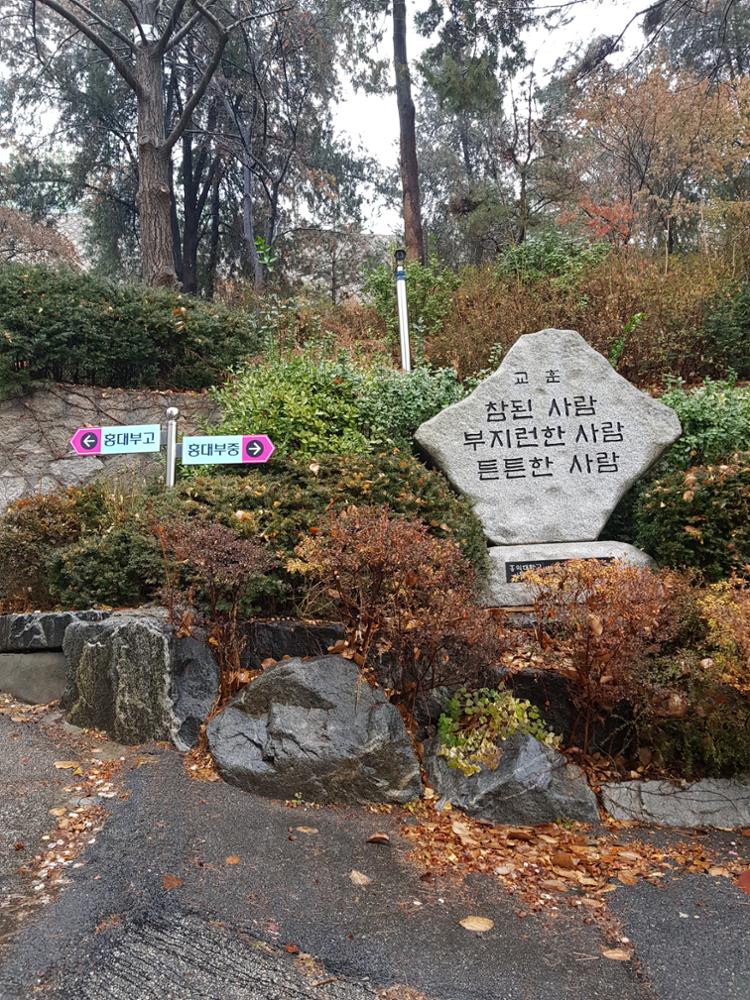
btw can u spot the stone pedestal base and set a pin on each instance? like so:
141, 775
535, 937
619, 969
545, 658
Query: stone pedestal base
507, 562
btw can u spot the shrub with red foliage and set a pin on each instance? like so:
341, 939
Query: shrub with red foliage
407, 599
614, 617
216, 574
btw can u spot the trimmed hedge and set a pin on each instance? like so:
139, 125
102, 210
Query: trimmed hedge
312, 405
282, 503
70, 327
699, 519
87, 546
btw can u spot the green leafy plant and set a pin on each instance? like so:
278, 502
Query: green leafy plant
393, 403
699, 518
551, 253
475, 723
429, 291
32, 530
312, 405
68, 327
715, 420
618, 347
118, 568
307, 405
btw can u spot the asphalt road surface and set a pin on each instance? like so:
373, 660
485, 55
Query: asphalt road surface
285, 922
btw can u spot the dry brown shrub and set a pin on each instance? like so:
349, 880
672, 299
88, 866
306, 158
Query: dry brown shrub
211, 573
726, 608
488, 309
403, 595
614, 617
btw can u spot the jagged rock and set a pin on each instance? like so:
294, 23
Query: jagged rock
195, 687
277, 639
22, 633
128, 676
118, 677
315, 729
712, 802
531, 784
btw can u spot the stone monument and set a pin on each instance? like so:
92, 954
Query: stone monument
545, 448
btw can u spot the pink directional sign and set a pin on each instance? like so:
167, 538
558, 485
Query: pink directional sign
87, 441
257, 448
127, 439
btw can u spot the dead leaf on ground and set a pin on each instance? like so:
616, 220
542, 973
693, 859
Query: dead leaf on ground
359, 878
66, 765
379, 838
743, 882
477, 924
307, 829
170, 882
617, 954
232, 859
108, 923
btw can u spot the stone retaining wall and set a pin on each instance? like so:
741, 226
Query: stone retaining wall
35, 454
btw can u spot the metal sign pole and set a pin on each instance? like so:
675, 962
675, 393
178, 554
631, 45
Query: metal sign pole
403, 312
172, 415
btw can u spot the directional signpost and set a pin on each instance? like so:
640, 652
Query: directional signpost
127, 440
227, 449
216, 449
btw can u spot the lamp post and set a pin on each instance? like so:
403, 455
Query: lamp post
172, 416
403, 312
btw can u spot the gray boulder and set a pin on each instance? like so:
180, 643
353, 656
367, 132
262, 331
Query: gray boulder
531, 784
318, 730
195, 688
23, 633
712, 802
130, 677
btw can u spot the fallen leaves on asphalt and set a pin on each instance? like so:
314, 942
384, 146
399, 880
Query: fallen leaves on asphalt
617, 954
199, 765
170, 882
543, 864
359, 878
232, 859
379, 838
477, 924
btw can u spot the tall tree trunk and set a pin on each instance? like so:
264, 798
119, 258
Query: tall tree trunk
154, 165
191, 220
413, 235
213, 251
248, 222
523, 210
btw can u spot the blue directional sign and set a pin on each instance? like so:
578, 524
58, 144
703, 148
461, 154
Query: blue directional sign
227, 449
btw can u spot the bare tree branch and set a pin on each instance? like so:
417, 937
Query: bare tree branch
222, 37
103, 22
174, 20
93, 36
184, 30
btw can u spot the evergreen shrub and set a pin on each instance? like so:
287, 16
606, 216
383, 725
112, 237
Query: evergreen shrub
90, 545
311, 405
698, 518
64, 326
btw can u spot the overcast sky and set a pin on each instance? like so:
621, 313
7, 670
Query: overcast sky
372, 120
